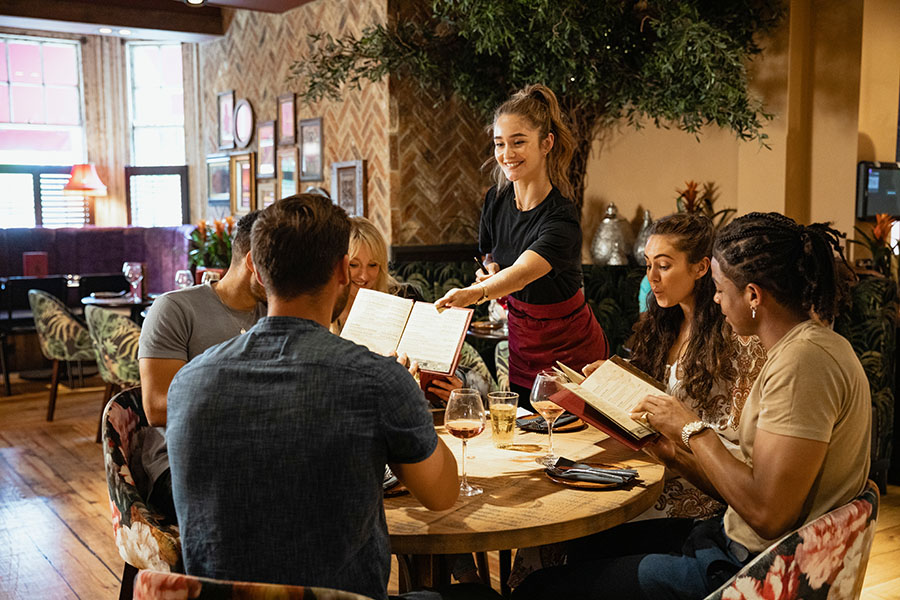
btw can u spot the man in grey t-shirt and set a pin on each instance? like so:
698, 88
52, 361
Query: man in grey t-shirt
182, 325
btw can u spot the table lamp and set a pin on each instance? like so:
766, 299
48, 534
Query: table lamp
84, 181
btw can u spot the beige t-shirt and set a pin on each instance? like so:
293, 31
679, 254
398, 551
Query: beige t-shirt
812, 387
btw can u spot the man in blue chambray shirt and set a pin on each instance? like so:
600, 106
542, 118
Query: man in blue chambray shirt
278, 438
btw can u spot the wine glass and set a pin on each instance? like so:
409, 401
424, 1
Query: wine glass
133, 272
464, 418
184, 278
210, 276
545, 385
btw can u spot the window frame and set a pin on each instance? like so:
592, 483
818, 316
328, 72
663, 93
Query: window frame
35, 171
181, 170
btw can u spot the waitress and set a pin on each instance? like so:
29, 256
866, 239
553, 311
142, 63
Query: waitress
530, 237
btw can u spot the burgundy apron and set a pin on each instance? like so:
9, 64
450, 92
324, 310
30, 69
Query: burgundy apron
541, 334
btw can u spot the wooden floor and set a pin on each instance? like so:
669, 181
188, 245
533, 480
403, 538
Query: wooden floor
55, 533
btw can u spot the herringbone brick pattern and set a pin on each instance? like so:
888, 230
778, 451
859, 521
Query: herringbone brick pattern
424, 184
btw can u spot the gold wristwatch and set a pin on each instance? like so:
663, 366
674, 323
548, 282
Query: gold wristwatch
690, 429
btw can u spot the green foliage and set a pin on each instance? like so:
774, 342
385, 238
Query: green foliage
670, 61
211, 244
612, 293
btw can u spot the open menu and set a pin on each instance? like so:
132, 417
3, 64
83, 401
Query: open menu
607, 396
384, 323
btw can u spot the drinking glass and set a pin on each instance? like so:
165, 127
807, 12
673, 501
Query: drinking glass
464, 418
133, 273
184, 278
545, 385
209, 276
503, 417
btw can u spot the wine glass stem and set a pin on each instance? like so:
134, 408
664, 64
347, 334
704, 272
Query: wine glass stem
550, 436
465, 483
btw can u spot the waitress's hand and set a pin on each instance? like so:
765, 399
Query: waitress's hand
588, 369
460, 297
492, 269
666, 414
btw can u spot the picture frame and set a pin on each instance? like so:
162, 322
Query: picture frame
311, 144
243, 183
244, 122
265, 148
225, 118
266, 193
286, 168
218, 179
287, 122
348, 186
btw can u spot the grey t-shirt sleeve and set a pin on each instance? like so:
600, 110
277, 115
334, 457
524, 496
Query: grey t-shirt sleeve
407, 425
166, 331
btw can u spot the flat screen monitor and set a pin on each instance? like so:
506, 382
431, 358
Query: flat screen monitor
877, 188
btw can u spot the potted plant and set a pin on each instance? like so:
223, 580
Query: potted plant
879, 244
211, 247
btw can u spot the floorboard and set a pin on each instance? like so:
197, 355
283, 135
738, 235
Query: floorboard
56, 539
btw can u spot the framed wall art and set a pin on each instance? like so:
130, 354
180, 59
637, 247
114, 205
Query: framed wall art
348, 186
265, 137
243, 183
243, 123
266, 193
287, 124
225, 111
287, 172
218, 180
311, 149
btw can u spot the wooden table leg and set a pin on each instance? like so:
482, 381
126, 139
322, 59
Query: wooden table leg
484, 569
505, 568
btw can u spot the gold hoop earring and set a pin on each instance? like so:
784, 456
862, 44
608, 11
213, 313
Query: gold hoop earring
752, 312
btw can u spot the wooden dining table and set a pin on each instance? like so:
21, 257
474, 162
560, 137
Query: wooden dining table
520, 506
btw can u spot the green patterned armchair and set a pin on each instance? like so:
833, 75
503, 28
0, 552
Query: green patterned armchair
115, 340
62, 337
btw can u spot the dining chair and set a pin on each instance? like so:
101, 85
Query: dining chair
824, 559
62, 337
477, 373
501, 362
115, 340
146, 538
154, 585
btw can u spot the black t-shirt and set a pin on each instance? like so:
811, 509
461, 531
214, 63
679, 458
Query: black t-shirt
551, 229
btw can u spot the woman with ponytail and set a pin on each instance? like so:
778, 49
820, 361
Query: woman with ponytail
804, 431
530, 236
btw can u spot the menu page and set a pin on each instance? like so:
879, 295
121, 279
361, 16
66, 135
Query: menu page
615, 389
432, 338
376, 320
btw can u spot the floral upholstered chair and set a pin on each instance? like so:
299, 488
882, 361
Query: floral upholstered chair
501, 360
824, 559
144, 536
151, 585
62, 337
477, 373
115, 340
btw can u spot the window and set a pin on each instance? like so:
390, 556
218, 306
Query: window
40, 102
156, 102
33, 197
156, 196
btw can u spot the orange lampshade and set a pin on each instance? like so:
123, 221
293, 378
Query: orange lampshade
84, 181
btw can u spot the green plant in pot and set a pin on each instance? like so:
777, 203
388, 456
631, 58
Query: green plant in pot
879, 244
211, 246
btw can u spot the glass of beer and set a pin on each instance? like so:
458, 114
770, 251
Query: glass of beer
503, 417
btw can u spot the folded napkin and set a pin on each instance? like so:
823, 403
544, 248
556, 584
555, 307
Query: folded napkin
539, 425
573, 471
390, 480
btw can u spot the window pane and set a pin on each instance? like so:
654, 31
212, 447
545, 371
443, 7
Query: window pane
25, 62
60, 65
3, 74
17, 200
170, 60
27, 104
4, 103
145, 66
45, 146
62, 105
155, 146
155, 200
58, 209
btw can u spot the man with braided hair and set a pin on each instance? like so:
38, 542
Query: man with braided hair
804, 432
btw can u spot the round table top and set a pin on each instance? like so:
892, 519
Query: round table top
116, 301
520, 506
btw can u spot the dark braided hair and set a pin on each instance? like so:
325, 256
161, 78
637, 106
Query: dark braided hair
709, 351
795, 263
